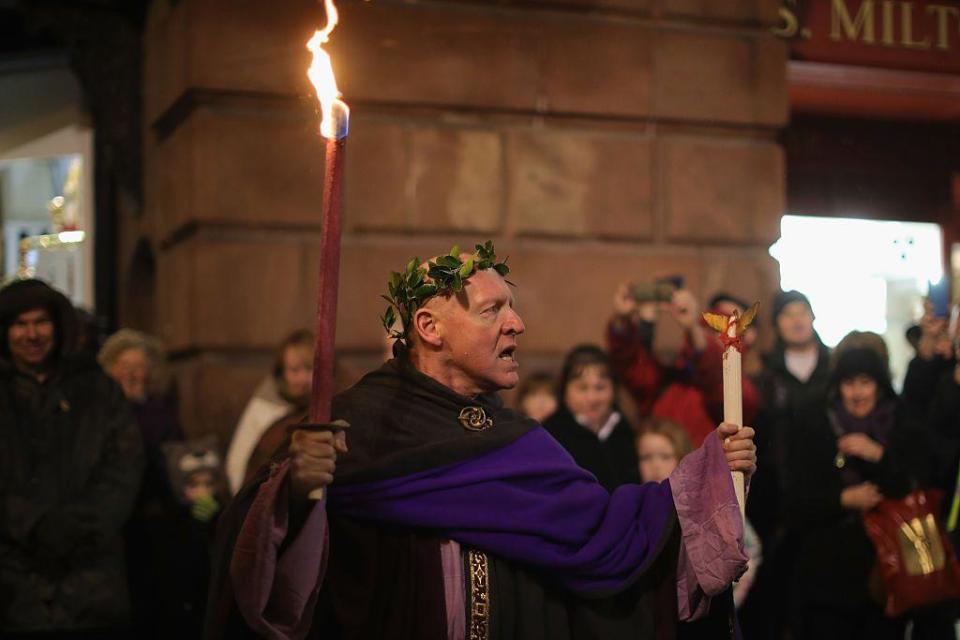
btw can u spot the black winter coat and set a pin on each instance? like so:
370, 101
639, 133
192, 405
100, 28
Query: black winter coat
782, 397
71, 461
944, 424
613, 461
920, 386
834, 555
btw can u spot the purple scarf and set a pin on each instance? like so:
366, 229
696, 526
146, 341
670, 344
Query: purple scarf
877, 424
530, 503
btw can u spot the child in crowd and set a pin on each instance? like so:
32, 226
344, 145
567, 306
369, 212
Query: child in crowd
537, 397
588, 423
183, 538
661, 445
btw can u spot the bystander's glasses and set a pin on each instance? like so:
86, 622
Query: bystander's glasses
71, 459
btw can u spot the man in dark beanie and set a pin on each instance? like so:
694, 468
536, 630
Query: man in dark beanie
70, 466
794, 377
797, 370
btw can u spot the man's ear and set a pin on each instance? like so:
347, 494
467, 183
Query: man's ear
426, 323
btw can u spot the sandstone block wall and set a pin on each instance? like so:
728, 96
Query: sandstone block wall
594, 141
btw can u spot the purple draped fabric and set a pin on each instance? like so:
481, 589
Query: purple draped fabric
506, 503
276, 593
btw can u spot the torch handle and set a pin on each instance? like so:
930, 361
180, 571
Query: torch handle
325, 329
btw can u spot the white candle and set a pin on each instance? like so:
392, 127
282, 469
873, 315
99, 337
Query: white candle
733, 403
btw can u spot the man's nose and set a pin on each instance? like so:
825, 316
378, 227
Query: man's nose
514, 323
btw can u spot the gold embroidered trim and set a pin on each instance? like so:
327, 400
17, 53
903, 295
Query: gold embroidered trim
479, 623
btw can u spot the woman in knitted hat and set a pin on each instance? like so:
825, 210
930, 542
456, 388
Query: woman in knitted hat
842, 459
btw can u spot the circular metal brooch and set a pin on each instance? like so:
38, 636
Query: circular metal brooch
475, 419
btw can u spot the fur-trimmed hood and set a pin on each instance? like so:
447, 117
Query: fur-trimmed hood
25, 295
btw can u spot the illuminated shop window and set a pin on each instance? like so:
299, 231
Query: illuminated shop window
865, 275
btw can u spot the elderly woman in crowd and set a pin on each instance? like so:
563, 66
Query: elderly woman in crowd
588, 424
841, 461
138, 364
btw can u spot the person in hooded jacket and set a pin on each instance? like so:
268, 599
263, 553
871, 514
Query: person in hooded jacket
842, 459
71, 461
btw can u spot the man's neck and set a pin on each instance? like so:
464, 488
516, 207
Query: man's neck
442, 372
803, 349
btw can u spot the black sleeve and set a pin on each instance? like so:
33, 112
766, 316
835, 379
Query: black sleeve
812, 484
942, 427
920, 383
906, 462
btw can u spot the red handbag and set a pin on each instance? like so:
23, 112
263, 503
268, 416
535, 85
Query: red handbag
917, 563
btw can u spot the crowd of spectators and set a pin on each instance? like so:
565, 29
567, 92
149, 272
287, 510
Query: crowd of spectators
107, 512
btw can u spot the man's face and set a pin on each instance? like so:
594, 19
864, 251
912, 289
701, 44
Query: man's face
795, 323
480, 339
31, 338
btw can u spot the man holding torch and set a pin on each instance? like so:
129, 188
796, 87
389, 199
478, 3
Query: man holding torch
447, 515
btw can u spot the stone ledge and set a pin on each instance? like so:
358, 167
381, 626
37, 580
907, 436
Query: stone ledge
487, 58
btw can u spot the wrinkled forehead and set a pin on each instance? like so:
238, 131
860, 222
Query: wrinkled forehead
483, 287
488, 286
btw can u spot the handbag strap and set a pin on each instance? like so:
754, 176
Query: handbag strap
954, 504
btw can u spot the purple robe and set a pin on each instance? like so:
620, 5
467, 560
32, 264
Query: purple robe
511, 492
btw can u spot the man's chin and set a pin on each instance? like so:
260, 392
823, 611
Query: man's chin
509, 381
502, 382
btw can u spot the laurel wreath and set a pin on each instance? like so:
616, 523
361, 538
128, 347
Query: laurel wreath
411, 288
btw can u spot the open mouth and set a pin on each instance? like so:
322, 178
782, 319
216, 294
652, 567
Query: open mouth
508, 354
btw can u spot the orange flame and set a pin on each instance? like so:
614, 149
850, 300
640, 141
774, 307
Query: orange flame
335, 112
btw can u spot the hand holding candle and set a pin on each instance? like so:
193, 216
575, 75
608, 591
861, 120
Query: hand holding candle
731, 329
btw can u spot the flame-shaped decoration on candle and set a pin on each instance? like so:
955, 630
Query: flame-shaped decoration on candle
335, 111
